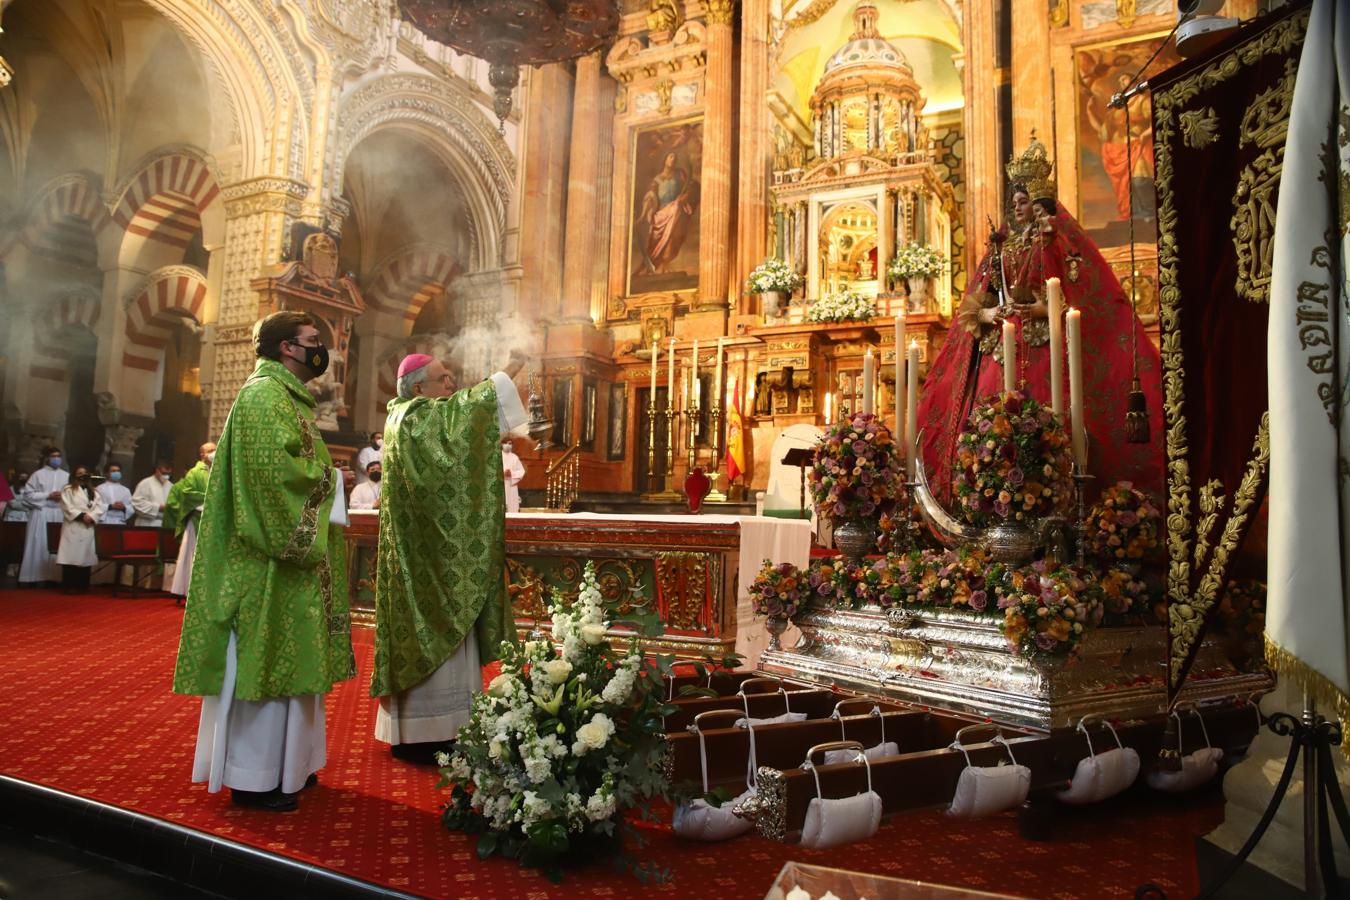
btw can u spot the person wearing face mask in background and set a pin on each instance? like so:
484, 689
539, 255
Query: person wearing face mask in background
42, 494
366, 495
116, 496
181, 511
151, 495
267, 632
373, 452
17, 510
81, 507
513, 470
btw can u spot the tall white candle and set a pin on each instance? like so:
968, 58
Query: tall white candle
684, 393
656, 352
869, 376
1009, 356
670, 375
717, 377
693, 372
900, 392
828, 398
912, 407
1054, 301
1074, 326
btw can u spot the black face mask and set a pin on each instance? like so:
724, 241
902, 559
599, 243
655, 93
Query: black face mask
316, 358
375, 476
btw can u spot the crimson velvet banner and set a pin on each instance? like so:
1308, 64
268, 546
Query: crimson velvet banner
1219, 132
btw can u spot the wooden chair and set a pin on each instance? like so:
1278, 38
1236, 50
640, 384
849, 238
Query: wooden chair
127, 545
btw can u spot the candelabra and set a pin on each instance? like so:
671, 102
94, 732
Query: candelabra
660, 468
692, 414
715, 415
1080, 527
651, 441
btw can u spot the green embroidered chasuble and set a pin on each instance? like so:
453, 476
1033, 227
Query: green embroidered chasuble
442, 548
269, 566
185, 496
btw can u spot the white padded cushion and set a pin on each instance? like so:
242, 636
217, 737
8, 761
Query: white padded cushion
985, 790
697, 821
1102, 776
880, 751
830, 823
773, 720
1196, 769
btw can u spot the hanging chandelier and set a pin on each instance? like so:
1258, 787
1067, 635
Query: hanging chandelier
514, 33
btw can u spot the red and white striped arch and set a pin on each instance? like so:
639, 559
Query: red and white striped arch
411, 280
168, 298
63, 203
165, 204
77, 308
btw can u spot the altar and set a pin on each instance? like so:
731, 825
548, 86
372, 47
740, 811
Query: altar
691, 570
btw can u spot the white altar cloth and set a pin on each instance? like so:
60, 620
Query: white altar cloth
762, 537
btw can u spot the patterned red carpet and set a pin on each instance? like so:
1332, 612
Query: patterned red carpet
87, 710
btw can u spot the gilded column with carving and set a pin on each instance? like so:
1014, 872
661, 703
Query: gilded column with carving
714, 269
583, 172
756, 148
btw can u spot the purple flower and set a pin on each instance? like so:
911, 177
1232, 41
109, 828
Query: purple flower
979, 600
1006, 601
1002, 509
839, 508
985, 426
1015, 476
1046, 641
1028, 425
1127, 519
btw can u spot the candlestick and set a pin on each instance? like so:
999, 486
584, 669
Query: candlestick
869, 373
1009, 356
1074, 327
1054, 300
717, 375
670, 373
900, 405
912, 408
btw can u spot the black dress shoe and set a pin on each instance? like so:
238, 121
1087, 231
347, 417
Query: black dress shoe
268, 801
423, 754
312, 780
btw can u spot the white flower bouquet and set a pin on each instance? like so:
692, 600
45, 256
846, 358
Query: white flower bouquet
773, 275
564, 740
844, 306
916, 261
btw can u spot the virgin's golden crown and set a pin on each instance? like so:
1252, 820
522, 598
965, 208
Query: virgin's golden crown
1033, 169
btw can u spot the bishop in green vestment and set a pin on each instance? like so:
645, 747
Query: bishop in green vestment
266, 632
441, 609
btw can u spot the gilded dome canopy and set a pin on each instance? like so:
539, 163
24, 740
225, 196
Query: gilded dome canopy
866, 46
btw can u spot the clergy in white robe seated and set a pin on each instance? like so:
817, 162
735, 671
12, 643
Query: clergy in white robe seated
42, 494
441, 609
116, 496
81, 508
152, 494
366, 495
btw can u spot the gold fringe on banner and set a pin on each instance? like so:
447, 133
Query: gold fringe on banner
1315, 684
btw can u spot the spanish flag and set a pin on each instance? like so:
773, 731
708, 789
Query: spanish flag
735, 436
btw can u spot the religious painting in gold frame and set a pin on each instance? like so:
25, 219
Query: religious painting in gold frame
1107, 179
664, 209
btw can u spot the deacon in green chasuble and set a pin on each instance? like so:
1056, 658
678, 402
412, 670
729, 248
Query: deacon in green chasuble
441, 609
266, 631
181, 512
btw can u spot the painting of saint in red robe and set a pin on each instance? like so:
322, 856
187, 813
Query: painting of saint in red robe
1115, 159
663, 244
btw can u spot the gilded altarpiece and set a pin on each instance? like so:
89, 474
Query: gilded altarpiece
1220, 124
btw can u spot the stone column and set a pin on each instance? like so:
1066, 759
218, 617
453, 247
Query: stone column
885, 234
258, 216
714, 236
980, 120
543, 169
1031, 72
583, 172
756, 149
119, 445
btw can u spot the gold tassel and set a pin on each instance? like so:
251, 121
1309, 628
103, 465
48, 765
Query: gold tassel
1169, 756
1136, 415
1333, 702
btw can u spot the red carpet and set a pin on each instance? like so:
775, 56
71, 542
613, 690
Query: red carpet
87, 710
